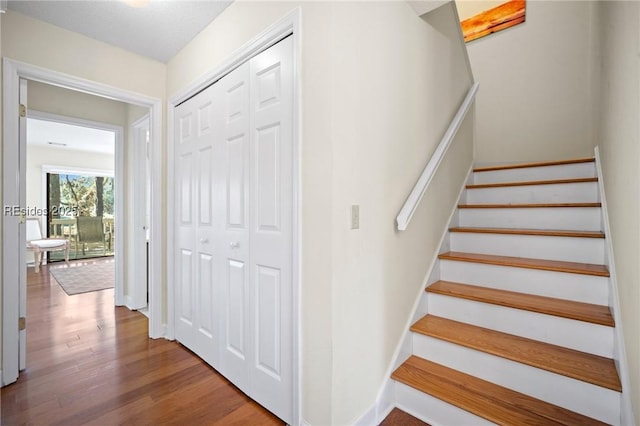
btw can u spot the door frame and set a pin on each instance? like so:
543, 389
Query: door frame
13, 71
117, 173
289, 25
137, 211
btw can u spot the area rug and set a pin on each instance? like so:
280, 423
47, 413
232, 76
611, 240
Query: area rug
85, 278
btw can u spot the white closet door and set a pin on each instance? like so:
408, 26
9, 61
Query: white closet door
233, 205
233, 185
271, 227
197, 299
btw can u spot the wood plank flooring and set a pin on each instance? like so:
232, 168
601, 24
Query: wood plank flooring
89, 362
398, 417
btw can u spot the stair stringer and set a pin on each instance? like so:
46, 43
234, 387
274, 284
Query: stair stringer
386, 398
619, 351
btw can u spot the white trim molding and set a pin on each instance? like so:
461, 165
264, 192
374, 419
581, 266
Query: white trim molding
382, 407
288, 25
620, 353
13, 71
410, 206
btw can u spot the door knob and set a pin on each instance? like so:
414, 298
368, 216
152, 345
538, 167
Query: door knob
204, 240
234, 244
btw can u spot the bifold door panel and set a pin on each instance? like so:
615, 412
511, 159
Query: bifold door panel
233, 254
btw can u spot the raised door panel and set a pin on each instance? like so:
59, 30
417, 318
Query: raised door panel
268, 321
234, 236
184, 254
207, 324
268, 181
236, 182
271, 228
196, 326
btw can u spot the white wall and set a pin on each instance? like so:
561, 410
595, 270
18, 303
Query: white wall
70, 103
374, 107
467, 9
35, 42
536, 86
397, 82
619, 139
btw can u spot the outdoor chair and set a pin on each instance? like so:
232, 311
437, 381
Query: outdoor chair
90, 232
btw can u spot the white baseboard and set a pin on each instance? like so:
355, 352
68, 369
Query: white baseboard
163, 332
620, 354
128, 302
382, 407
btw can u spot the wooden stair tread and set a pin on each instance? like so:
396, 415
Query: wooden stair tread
587, 312
484, 399
582, 366
522, 262
522, 231
527, 205
531, 182
534, 164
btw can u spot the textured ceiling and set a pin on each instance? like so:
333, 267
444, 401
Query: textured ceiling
158, 30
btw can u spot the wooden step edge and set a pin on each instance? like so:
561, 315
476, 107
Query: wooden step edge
539, 232
579, 311
527, 205
523, 262
492, 402
531, 183
533, 164
582, 366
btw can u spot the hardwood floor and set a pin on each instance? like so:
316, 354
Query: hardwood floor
89, 362
398, 417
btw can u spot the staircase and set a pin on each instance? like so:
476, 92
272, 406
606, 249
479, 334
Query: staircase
517, 327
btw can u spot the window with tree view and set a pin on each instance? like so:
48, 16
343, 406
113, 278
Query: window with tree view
80, 209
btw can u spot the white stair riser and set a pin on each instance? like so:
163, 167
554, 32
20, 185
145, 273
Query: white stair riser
433, 410
569, 249
555, 218
584, 192
577, 287
584, 398
567, 171
579, 335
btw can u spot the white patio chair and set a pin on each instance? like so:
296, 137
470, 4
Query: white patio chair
40, 245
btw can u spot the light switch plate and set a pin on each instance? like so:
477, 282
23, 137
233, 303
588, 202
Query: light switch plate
355, 216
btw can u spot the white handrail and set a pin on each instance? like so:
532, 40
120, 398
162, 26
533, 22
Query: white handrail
409, 207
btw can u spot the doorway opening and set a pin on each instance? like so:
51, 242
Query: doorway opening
70, 173
14, 194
